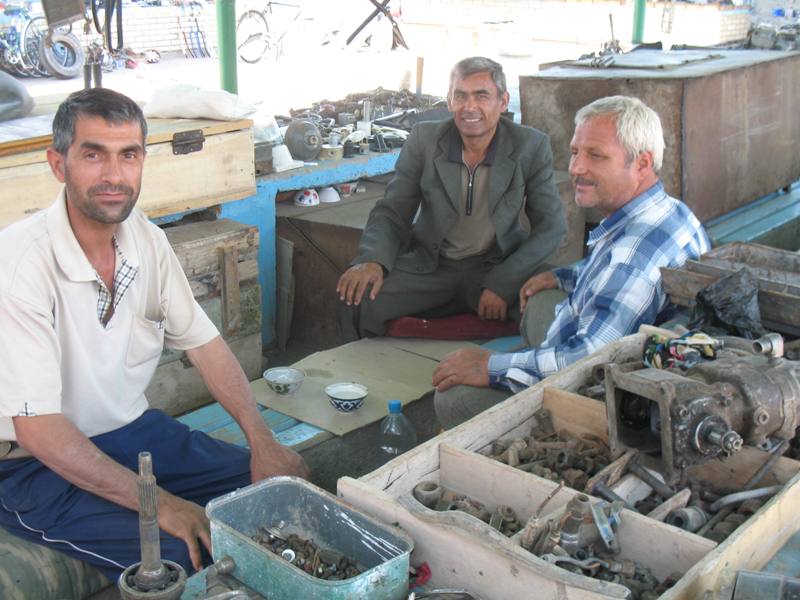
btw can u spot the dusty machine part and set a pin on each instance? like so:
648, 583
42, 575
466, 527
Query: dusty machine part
579, 527
427, 493
303, 139
709, 411
689, 518
151, 578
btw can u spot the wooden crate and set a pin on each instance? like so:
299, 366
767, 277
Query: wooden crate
777, 273
220, 260
730, 119
466, 553
221, 170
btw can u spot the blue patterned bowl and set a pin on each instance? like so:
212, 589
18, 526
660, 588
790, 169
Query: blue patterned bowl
346, 397
284, 380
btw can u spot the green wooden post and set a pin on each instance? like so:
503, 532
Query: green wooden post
226, 41
639, 7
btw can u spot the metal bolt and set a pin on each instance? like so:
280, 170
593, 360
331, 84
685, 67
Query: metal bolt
760, 416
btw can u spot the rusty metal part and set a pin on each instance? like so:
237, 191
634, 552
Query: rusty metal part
754, 480
745, 495
428, 493
708, 411
318, 562
659, 487
610, 474
151, 578
543, 425
689, 518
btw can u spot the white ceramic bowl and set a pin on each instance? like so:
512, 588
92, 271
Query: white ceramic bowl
284, 380
346, 397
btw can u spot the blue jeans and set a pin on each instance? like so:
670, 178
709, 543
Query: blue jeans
42, 507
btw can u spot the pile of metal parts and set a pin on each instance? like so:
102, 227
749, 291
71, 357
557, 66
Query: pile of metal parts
322, 563
431, 495
583, 540
397, 109
557, 456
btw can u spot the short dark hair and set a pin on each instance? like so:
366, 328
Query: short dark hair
112, 106
479, 64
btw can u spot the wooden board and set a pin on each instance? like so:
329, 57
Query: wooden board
18, 137
223, 170
389, 372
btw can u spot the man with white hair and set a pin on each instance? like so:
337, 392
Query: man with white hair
617, 150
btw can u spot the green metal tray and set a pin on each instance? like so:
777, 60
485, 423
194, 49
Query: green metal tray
312, 513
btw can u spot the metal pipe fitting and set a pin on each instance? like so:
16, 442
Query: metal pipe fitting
690, 518
427, 493
770, 345
746, 495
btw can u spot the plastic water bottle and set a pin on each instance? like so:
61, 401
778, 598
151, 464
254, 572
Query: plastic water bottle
397, 432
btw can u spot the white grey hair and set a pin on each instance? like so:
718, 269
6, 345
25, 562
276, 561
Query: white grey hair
638, 126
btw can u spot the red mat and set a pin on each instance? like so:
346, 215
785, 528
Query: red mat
458, 327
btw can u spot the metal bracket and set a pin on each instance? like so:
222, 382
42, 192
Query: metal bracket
185, 142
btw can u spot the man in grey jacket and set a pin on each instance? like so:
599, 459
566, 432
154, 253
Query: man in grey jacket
470, 214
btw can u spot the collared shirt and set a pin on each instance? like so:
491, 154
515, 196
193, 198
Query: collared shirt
57, 356
473, 232
614, 290
123, 278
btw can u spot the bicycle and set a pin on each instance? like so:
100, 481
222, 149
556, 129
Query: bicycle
30, 48
253, 36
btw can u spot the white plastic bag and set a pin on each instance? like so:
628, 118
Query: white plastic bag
182, 100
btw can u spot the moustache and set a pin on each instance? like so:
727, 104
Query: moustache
582, 181
111, 189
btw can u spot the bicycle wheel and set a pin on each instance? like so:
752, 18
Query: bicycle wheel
61, 54
252, 36
30, 40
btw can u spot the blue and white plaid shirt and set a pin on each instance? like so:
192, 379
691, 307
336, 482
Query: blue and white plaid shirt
613, 290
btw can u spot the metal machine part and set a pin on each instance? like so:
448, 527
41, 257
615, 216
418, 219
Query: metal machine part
152, 578
583, 524
303, 139
689, 518
710, 410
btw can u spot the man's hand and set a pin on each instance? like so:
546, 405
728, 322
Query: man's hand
186, 521
468, 366
269, 458
491, 306
534, 285
354, 282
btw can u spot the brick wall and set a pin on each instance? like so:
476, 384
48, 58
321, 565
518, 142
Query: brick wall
159, 27
580, 21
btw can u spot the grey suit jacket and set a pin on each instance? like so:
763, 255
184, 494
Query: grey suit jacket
524, 206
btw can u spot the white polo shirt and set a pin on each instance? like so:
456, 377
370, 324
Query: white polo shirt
55, 354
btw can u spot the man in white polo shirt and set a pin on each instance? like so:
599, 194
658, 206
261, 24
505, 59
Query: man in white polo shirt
89, 292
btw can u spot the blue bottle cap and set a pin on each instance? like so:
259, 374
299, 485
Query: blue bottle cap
395, 406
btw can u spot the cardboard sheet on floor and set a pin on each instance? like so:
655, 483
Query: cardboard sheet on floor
390, 368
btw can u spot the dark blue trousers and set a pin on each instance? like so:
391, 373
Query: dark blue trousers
42, 507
